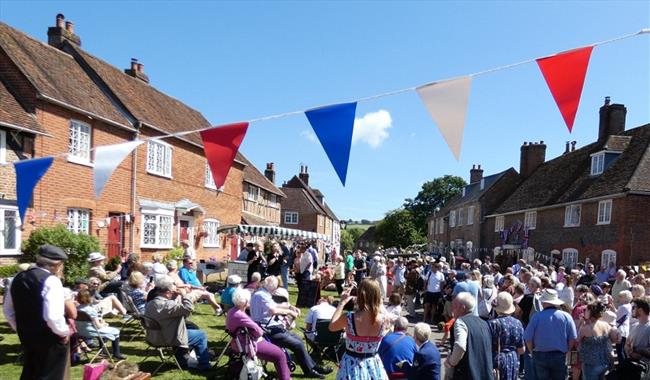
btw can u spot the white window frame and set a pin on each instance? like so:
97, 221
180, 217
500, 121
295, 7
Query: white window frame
167, 152
470, 215
253, 193
77, 152
158, 215
209, 180
460, 217
607, 256
570, 257
3, 146
530, 220
17, 231
76, 219
568, 215
452, 218
441, 226
499, 222
289, 217
212, 240
597, 163
604, 212
273, 199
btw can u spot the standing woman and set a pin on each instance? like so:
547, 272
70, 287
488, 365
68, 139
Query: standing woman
623, 319
595, 339
339, 274
364, 330
507, 338
382, 273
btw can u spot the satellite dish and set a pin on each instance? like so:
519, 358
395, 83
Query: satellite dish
101, 224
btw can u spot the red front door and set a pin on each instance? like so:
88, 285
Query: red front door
115, 235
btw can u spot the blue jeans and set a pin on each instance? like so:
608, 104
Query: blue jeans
197, 341
550, 365
529, 367
284, 274
594, 372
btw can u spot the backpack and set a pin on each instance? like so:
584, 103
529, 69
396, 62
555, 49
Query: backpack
485, 304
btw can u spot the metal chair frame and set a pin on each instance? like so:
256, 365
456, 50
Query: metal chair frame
84, 317
165, 353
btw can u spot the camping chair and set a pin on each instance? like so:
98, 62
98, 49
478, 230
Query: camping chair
133, 312
325, 341
165, 352
82, 316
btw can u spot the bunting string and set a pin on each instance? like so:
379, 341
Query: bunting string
367, 98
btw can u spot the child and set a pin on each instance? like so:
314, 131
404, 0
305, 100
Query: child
447, 329
394, 308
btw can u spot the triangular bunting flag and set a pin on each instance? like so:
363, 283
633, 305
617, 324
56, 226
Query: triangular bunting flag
334, 126
220, 145
107, 158
28, 173
565, 75
447, 104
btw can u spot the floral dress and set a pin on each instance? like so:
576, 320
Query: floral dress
507, 335
361, 361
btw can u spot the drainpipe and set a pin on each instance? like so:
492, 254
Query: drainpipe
134, 172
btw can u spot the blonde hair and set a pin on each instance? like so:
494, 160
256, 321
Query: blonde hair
136, 279
369, 298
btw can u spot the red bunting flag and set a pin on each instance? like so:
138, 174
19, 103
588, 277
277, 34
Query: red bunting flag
220, 145
565, 75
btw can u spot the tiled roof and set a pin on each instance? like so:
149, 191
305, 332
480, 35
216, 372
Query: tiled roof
254, 176
617, 143
473, 191
567, 178
322, 208
301, 195
369, 234
56, 75
12, 114
254, 220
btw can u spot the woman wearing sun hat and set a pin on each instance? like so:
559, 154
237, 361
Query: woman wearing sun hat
507, 338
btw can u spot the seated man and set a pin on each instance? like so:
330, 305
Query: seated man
263, 312
188, 273
397, 347
426, 362
322, 310
226, 297
105, 305
170, 310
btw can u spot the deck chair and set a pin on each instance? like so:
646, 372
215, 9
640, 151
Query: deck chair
329, 344
135, 314
164, 352
94, 333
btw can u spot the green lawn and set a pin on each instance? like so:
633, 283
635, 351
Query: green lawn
136, 351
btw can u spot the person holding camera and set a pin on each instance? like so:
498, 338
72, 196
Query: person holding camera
256, 261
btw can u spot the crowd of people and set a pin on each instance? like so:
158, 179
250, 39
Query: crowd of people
527, 320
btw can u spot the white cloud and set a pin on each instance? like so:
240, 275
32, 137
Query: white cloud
309, 135
372, 128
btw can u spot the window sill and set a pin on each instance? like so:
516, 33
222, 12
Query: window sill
156, 246
211, 246
604, 223
160, 175
571, 226
10, 252
80, 161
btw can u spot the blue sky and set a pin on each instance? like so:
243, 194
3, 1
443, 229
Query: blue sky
241, 60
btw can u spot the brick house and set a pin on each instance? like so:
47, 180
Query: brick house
367, 241
304, 208
589, 204
261, 198
72, 101
460, 224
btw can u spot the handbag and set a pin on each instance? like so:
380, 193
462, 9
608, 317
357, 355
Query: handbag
94, 371
251, 368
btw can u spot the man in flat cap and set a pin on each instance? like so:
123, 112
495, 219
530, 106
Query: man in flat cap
34, 308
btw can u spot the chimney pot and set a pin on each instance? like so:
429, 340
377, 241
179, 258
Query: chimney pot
541, 142
134, 64
607, 100
60, 20
475, 174
61, 32
140, 67
69, 27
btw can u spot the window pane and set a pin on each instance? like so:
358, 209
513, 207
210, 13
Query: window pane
165, 237
10, 229
149, 232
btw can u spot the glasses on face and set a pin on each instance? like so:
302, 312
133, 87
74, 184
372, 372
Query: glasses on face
94, 283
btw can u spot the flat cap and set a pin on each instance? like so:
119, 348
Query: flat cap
51, 252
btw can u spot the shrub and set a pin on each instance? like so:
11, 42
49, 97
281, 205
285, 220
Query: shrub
8, 270
175, 253
113, 263
78, 247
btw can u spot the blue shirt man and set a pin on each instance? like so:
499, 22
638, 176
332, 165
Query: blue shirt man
188, 274
397, 347
426, 361
469, 286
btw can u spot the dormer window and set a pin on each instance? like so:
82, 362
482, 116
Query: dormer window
597, 163
482, 183
463, 191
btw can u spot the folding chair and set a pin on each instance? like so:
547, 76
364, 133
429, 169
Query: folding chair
165, 352
82, 316
134, 313
325, 341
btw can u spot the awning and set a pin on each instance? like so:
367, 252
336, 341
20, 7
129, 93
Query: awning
271, 231
185, 205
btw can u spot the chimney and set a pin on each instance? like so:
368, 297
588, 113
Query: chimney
566, 147
532, 156
612, 120
269, 173
573, 145
137, 70
304, 176
62, 31
475, 174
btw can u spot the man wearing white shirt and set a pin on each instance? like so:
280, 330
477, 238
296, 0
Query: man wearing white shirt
434, 281
306, 265
322, 310
34, 308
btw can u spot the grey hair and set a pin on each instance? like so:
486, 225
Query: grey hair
49, 264
488, 281
256, 277
467, 300
622, 273
422, 332
536, 281
626, 296
172, 265
270, 283
164, 283
241, 297
401, 324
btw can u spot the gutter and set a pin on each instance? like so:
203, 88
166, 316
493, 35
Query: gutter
134, 192
84, 112
12, 126
581, 201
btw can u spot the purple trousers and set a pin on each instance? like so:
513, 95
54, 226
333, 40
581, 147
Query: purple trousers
272, 353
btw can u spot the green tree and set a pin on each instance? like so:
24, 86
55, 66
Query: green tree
432, 197
78, 247
349, 237
398, 229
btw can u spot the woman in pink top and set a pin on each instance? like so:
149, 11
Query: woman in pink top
238, 319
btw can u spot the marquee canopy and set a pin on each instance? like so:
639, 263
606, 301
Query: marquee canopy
271, 231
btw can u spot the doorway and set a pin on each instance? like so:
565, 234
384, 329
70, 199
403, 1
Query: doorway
115, 234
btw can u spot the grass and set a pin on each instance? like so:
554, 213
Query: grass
136, 350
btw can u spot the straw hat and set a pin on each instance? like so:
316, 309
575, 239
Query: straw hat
505, 304
95, 256
550, 297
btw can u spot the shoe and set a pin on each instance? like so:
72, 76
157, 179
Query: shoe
120, 357
313, 374
218, 312
323, 370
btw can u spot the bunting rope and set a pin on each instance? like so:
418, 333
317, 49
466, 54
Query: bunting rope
363, 99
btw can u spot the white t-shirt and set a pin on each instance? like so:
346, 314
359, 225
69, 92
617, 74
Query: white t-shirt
434, 279
321, 311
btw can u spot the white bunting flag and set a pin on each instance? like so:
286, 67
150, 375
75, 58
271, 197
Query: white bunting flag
107, 158
447, 104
